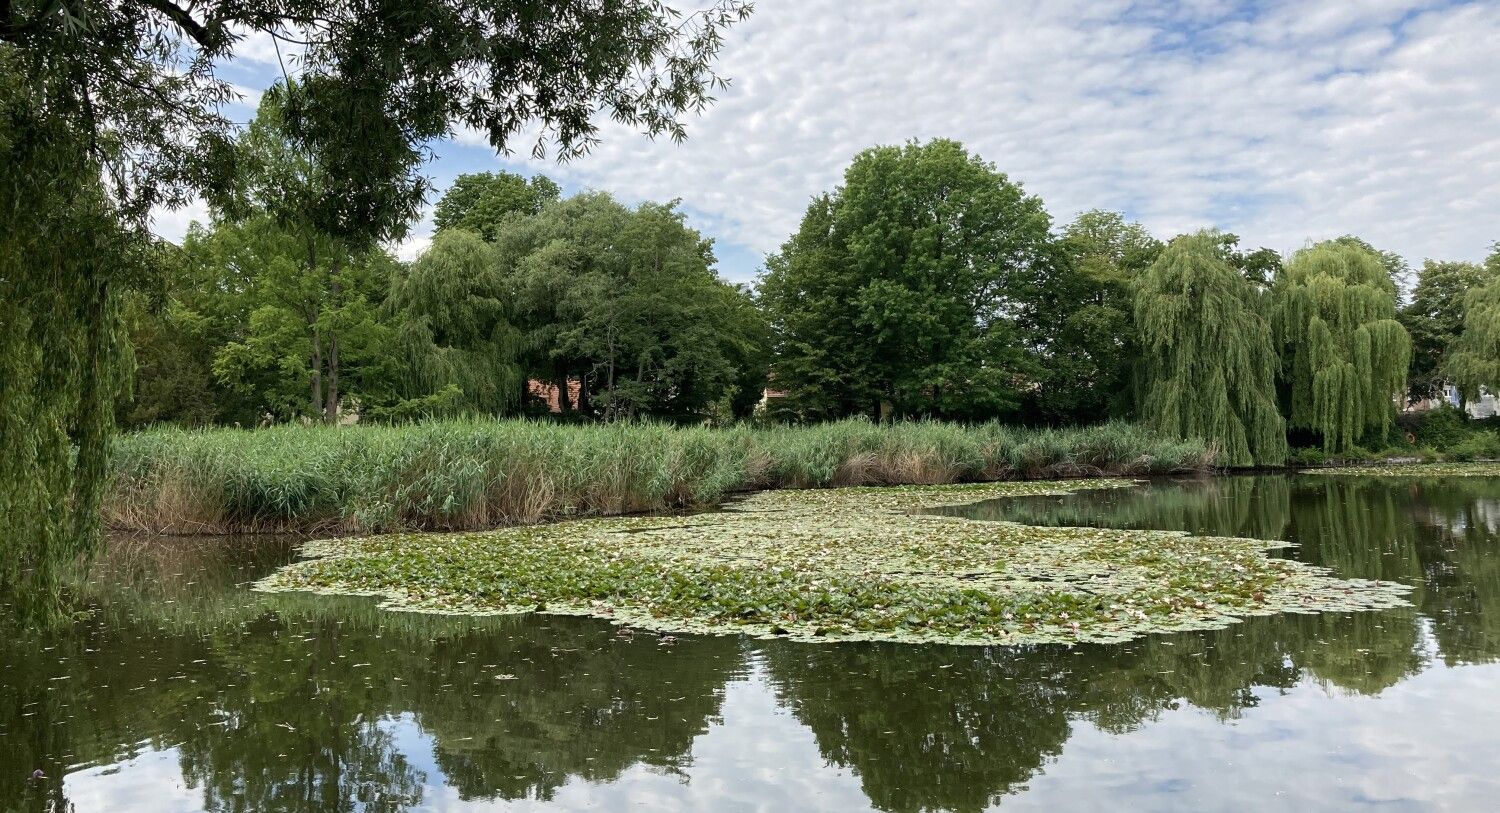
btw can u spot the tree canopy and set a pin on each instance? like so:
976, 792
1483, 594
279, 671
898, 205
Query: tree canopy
480, 201
626, 302
896, 294
1345, 356
1079, 321
1473, 360
110, 108
1435, 319
456, 341
1208, 366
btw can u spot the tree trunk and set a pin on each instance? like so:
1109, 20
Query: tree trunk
331, 409
583, 394
564, 399
316, 404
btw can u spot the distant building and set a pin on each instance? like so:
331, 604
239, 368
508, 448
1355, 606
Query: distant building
1483, 407
546, 392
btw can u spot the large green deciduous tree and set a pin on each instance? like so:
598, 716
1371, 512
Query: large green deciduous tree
1207, 366
110, 108
1473, 360
1435, 319
896, 294
1344, 354
458, 346
626, 302
479, 201
309, 338
1079, 320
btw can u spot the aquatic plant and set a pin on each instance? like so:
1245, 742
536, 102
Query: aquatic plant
469, 474
841, 564
1415, 470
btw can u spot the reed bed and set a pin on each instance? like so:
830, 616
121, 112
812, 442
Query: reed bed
473, 474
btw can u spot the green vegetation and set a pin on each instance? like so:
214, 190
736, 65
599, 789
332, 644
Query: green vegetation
1434, 318
886, 300
625, 303
1207, 364
1473, 360
482, 473
928, 285
858, 564
64, 256
109, 109
1345, 354
1079, 322
1418, 470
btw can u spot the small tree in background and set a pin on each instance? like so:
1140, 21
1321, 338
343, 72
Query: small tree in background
480, 201
1473, 361
1345, 356
1435, 321
1208, 366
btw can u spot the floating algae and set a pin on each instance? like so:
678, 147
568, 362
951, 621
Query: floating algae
842, 564
1415, 470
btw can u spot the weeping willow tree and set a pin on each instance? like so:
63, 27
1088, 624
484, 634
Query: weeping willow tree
1208, 366
64, 258
1344, 355
458, 347
1473, 361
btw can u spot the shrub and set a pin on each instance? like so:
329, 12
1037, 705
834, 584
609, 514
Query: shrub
1308, 456
1478, 446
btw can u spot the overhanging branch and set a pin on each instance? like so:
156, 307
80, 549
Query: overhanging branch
209, 38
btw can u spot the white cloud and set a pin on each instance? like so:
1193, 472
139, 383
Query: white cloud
172, 224
1283, 122
1297, 121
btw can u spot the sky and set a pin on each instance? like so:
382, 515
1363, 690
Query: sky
1284, 122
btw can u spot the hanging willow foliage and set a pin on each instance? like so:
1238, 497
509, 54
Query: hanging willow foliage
1344, 355
63, 259
1473, 362
456, 337
1208, 366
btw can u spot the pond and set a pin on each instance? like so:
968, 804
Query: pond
184, 691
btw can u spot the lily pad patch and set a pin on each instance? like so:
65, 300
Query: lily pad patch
842, 564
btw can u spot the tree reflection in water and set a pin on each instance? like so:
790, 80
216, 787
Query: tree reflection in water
295, 703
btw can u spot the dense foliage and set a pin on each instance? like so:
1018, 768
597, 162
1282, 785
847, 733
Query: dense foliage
1078, 321
1434, 318
478, 473
928, 284
1473, 360
1345, 354
625, 303
63, 259
1207, 363
893, 297
108, 109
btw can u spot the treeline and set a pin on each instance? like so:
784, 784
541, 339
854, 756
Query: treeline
928, 285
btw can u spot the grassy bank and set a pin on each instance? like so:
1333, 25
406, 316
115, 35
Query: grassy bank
459, 475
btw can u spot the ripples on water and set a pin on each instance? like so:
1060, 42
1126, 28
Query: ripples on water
183, 691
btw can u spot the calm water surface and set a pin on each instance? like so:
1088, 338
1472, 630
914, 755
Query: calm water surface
185, 692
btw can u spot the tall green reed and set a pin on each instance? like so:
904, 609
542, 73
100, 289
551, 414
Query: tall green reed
477, 473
